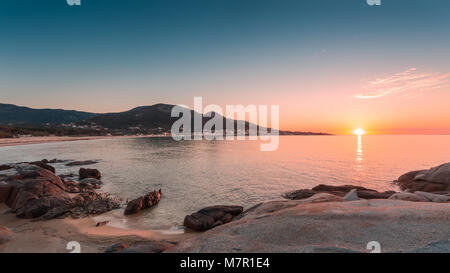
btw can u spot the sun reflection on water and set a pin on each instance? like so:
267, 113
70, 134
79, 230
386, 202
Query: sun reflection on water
359, 153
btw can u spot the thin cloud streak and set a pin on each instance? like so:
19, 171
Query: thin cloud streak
408, 84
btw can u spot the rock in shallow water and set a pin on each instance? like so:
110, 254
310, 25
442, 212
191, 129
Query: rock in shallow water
211, 217
143, 202
340, 191
89, 173
81, 163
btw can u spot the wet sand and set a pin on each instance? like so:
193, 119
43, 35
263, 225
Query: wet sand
52, 236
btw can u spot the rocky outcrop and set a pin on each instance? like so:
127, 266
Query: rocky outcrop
211, 217
90, 183
436, 179
140, 247
35, 192
43, 164
419, 196
407, 196
143, 202
340, 191
307, 226
5, 167
89, 173
93, 203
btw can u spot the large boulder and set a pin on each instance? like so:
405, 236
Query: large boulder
89, 173
35, 197
47, 207
436, 179
211, 217
34, 192
143, 202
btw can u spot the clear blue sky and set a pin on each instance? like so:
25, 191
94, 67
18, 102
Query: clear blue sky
112, 55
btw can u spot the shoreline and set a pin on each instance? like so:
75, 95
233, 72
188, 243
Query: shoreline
330, 218
52, 236
8, 142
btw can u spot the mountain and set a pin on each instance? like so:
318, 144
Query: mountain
145, 117
13, 114
154, 119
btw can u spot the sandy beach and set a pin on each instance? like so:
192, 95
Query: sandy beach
53, 235
39, 140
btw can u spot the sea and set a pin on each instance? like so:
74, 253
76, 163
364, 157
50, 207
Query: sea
196, 174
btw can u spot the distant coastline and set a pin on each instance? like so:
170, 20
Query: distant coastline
152, 120
28, 140
4, 142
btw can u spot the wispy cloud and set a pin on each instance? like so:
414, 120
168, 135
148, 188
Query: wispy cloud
409, 84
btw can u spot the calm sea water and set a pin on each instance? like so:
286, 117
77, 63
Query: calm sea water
195, 174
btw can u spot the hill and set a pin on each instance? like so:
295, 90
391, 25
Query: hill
154, 119
13, 115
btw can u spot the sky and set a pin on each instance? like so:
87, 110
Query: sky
331, 66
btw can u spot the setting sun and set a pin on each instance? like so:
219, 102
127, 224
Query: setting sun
359, 132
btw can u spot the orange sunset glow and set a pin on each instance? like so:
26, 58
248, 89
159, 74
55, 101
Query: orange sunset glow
241, 128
